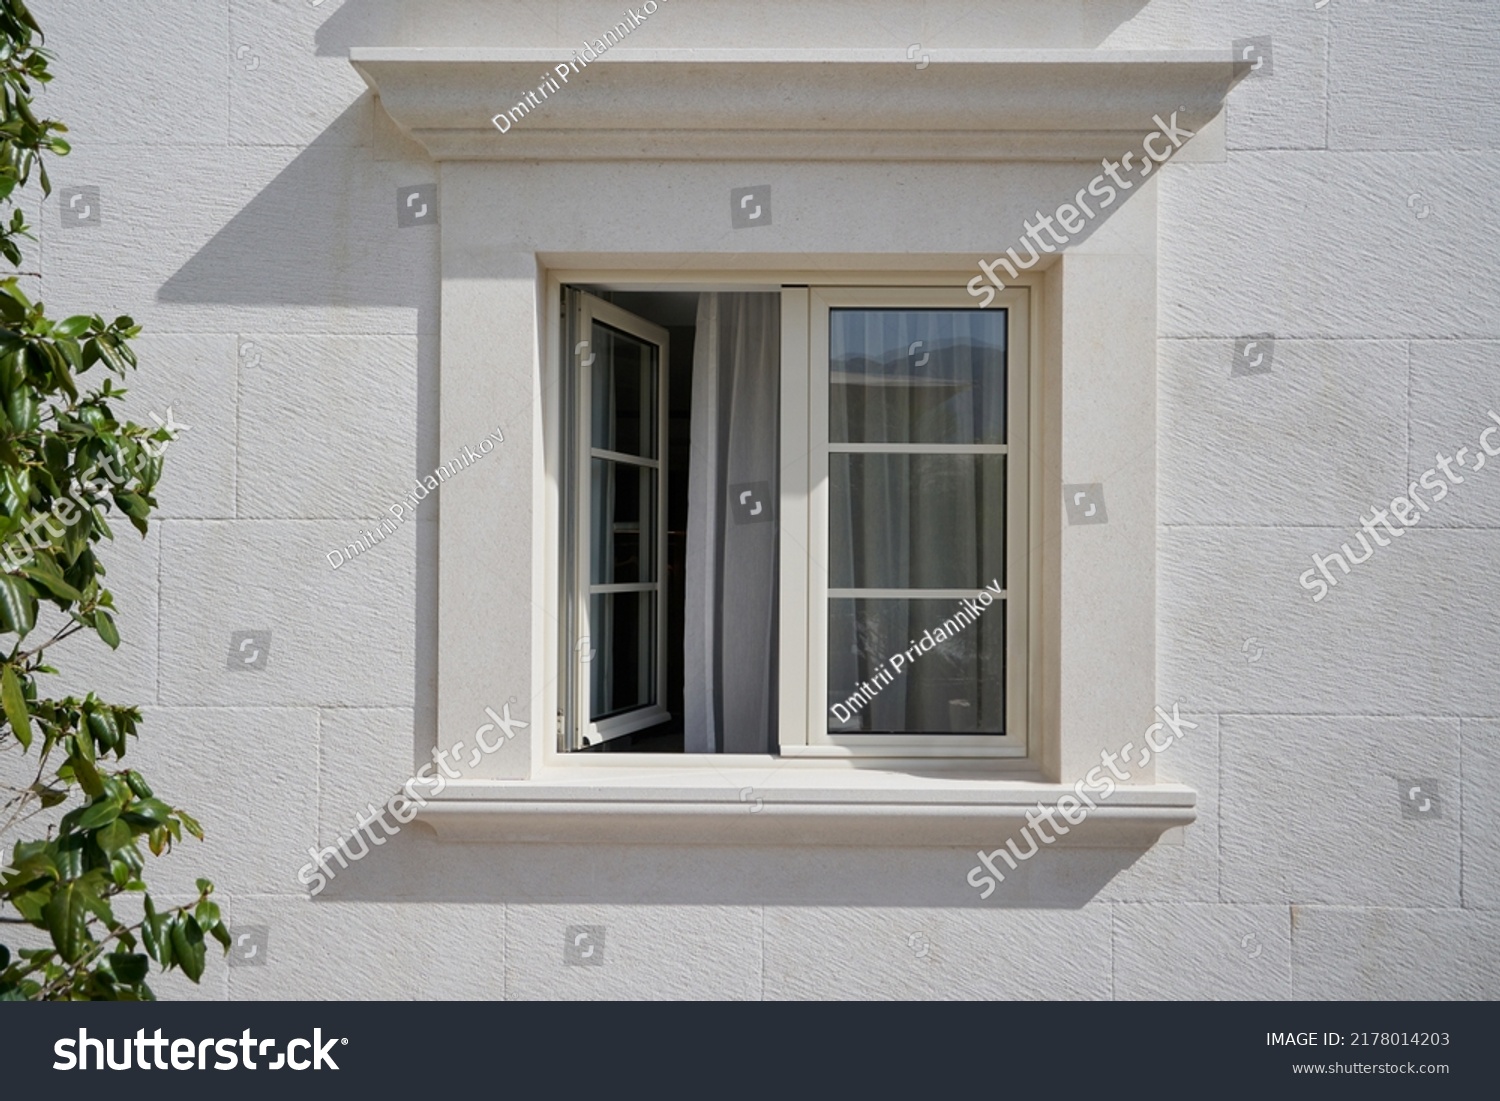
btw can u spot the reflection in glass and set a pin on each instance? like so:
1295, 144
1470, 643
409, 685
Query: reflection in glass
622, 527
916, 521
921, 666
623, 669
916, 376
623, 399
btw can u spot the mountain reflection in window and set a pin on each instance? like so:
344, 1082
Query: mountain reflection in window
917, 376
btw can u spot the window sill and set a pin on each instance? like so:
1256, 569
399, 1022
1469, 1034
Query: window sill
793, 806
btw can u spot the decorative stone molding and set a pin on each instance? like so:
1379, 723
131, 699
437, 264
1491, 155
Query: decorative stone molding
846, 808
798, 105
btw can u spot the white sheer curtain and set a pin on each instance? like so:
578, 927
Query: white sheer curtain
729, 647
916, 521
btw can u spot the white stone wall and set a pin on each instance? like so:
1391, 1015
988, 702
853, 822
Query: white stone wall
248, 194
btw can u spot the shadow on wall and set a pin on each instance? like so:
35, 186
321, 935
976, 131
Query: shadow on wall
414, 865
330, 240
328, 231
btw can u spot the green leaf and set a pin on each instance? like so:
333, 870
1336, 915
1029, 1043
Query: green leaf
120, 871
206, 913
100, 813
21, 408
82, 746
154, 935
70, 854
149, 812
67, 916
14, 701
133, 505
129, 967
57, 454
36, 857
114, 837
59, 368
76, 539
17, 604
12, 311
190, 824
83, 767
187, 947
43, 569
31, 905
48, 796
73, 327
106, 732
105, 625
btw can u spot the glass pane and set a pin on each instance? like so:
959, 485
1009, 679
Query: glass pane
916, 667
622, 523
622, 633
916, 376
624, 399
916, 521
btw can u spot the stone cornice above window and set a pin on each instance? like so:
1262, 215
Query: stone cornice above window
819, 105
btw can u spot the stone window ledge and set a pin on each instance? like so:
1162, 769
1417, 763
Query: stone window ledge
798, 805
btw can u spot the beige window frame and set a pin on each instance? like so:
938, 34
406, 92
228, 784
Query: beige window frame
802, 662
805, 526
586, 729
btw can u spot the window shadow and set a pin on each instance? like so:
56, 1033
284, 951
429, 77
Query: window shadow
415, 865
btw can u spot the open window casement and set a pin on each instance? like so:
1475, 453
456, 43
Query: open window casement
616, 479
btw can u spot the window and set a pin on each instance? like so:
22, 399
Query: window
796, 521
917, 608
621, 535
1085, 679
